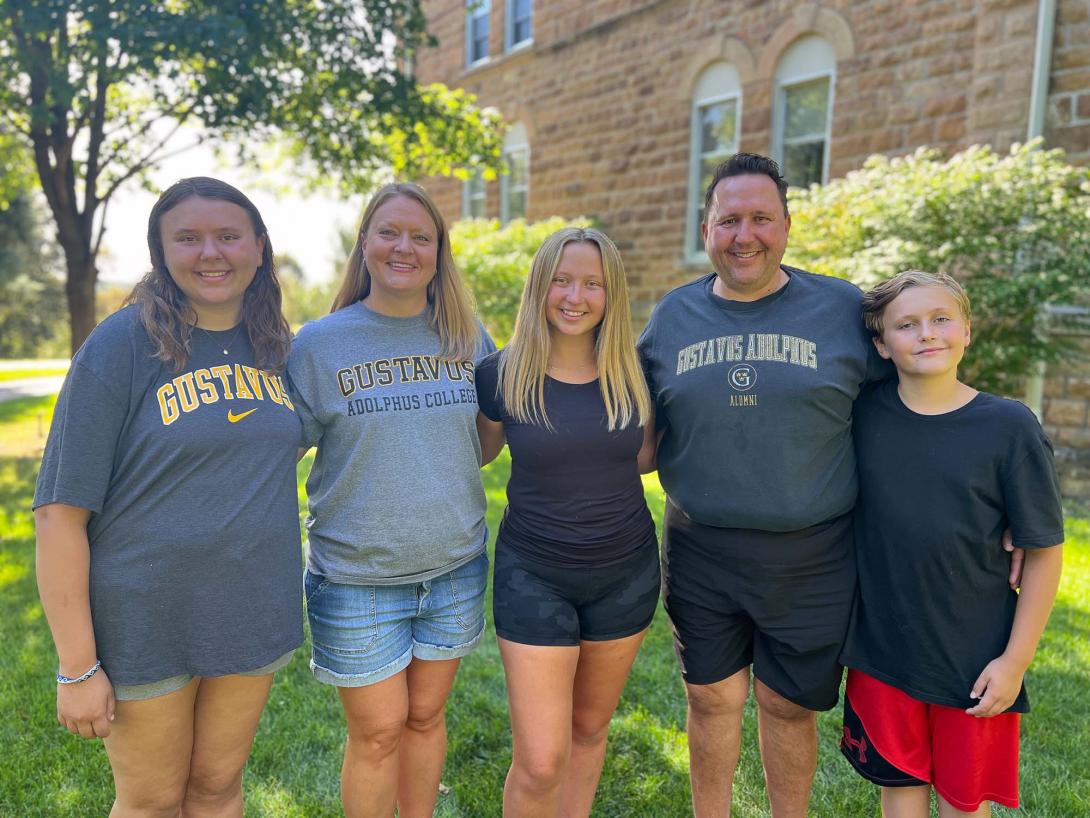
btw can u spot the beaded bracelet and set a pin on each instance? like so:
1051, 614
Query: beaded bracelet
65, 680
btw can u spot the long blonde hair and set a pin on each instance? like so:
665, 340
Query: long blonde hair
450, 309
524, 360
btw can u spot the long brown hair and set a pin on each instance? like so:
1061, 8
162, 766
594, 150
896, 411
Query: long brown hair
524, 360
167, 314
450, 309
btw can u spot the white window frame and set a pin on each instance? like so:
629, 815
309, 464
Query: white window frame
788, 76
703, 99
474, 10
516, 142
474, 188
510, 44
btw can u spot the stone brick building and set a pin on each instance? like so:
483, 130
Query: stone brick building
618, 108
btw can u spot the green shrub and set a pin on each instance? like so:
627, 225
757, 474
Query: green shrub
1013, 229
495, 261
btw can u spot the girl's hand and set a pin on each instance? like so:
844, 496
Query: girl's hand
87, 708
997, 687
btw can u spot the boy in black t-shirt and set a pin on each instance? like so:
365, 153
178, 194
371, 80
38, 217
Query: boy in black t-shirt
938, 642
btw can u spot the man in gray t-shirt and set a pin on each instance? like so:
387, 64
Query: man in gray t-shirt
754, 370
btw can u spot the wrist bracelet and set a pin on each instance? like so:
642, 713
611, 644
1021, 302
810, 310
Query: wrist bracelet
65, 680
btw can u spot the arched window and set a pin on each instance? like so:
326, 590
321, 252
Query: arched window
473, 197
716, 114
515, 186
805, 78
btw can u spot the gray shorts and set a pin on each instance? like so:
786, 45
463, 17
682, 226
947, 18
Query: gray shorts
151, 690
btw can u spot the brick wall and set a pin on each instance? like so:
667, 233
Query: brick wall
1066, 417
605, 89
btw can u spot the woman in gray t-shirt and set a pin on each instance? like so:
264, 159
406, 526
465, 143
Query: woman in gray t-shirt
166, 513
396, 564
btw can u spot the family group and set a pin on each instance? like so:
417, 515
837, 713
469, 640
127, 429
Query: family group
835, 497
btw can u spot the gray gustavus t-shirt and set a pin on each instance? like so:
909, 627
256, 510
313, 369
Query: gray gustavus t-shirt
395, 492
190, 479
756, 400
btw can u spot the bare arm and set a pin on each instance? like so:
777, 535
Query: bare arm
999, 682
646, 458
492, 437
63, 561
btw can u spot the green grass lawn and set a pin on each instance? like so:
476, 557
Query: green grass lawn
30, 371
296, 760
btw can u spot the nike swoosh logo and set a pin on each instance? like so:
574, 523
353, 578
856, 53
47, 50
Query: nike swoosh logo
231, 416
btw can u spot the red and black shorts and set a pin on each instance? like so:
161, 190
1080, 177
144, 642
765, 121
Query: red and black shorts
894, 740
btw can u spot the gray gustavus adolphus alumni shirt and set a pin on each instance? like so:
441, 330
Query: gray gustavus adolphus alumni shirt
395, 492
756, 400
190, 480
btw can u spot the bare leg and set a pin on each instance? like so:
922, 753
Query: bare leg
225, 718
906, 802
539, 693
149, 747
788, 736
424, 740
376, 717
599, 681
715, 740
948, 810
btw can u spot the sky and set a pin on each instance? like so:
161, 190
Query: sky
304, 227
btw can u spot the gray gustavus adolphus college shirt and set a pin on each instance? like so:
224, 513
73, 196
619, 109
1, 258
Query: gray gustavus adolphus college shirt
395, 492
190, 480
756, 400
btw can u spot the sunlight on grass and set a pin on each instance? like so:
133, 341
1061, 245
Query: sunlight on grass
296, 761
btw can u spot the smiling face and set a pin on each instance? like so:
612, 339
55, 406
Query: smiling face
212, 253
575, 303
924, 333
745, 237
401, 247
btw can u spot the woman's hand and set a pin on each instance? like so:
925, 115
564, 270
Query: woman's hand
87, 708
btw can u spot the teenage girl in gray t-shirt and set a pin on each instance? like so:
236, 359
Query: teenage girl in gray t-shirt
396, 563
168, 553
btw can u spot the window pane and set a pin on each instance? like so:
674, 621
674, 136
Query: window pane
480, 37
806, 106
517, 162
802, 162
718, 123
476, 207
516, 204
522, 10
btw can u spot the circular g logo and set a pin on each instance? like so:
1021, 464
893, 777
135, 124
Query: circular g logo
742, 377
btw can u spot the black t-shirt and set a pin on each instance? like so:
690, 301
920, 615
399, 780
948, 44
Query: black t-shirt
575, 495
936, 493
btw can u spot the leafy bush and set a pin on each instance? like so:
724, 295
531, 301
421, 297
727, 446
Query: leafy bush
1013, 229
495, 261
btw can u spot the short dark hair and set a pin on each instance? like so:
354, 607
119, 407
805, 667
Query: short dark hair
746, 164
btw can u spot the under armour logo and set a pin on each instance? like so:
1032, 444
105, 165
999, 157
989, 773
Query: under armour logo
859, 745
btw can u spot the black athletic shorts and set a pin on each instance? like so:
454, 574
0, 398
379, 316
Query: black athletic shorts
779, 601
536, 604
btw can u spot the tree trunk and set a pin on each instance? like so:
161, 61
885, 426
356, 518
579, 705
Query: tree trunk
79, 288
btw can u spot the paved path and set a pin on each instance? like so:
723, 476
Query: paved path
30, 387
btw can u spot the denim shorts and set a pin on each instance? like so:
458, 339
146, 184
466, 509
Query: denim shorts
362, 634
151, 690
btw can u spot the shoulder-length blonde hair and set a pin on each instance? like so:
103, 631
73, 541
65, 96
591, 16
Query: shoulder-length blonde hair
524, 360
450, 309
165, 311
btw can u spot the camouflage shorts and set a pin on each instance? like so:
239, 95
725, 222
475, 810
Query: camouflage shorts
537, 604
